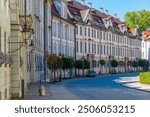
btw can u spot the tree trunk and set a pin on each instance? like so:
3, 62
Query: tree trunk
64, 74
60, 75
54, 76
51, 74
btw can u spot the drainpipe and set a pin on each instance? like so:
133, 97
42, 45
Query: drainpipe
75, 55
44, 40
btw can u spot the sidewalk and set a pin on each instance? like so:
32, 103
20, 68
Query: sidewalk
53, 92
133, 82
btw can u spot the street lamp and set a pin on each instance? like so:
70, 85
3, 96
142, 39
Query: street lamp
27, 31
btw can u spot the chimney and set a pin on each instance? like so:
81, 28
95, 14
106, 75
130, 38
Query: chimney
83, 2
102, 10
107, 12
115, 15
90, 4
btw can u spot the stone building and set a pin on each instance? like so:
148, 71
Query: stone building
41, 39
62, 30
5, 81
146, 46
101, 36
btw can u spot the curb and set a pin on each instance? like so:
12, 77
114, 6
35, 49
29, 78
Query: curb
124, 85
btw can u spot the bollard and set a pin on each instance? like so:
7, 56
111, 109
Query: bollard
42, 90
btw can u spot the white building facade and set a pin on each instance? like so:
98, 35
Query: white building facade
41, 40
101, 36
146, 46
5, 81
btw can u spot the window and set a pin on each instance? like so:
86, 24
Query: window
92, 48
77, 29
85, 31
85, 47
98, 49
6, 93
97, 35
104, 50
80, 30
80, 47
104, 35
89, 48
100, 35
109, 37
4, 42
92, 33
89, 32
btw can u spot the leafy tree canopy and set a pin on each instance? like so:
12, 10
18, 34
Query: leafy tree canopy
138, 19
134, 64
142, 63
68, 63
82, 64
114, 63
102, 62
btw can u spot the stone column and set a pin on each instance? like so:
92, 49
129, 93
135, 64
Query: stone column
15, 48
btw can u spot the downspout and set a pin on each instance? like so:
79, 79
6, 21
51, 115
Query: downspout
51, 35
45, 62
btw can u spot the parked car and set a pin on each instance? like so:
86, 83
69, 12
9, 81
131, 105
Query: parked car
91, 73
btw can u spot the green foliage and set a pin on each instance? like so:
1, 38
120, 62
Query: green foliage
68, 63
145, 77
51, 61
134, 64
129, 63
102, 62
143, 63
54, 62
82, 64
121, 63
114, 63
59, 63
78, 64
138, 19
86, 64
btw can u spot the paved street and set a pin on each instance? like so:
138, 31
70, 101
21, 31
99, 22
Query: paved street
99, 88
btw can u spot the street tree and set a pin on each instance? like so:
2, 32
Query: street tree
52, 63
138, 19
114, 63
135, 64
102, 62
82, 64
143, 63
68, 63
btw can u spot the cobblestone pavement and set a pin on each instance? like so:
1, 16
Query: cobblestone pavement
99, 88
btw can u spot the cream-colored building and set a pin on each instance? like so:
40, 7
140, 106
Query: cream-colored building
5, 80
18, 49
41, 39
62, 32
101, 36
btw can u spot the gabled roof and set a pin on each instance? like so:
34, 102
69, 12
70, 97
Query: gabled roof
147, 35
80, 12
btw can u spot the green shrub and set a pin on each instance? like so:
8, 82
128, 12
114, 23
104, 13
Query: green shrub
145, 77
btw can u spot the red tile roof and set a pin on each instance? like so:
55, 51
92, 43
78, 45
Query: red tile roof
147, 33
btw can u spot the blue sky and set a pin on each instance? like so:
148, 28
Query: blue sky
120, 7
